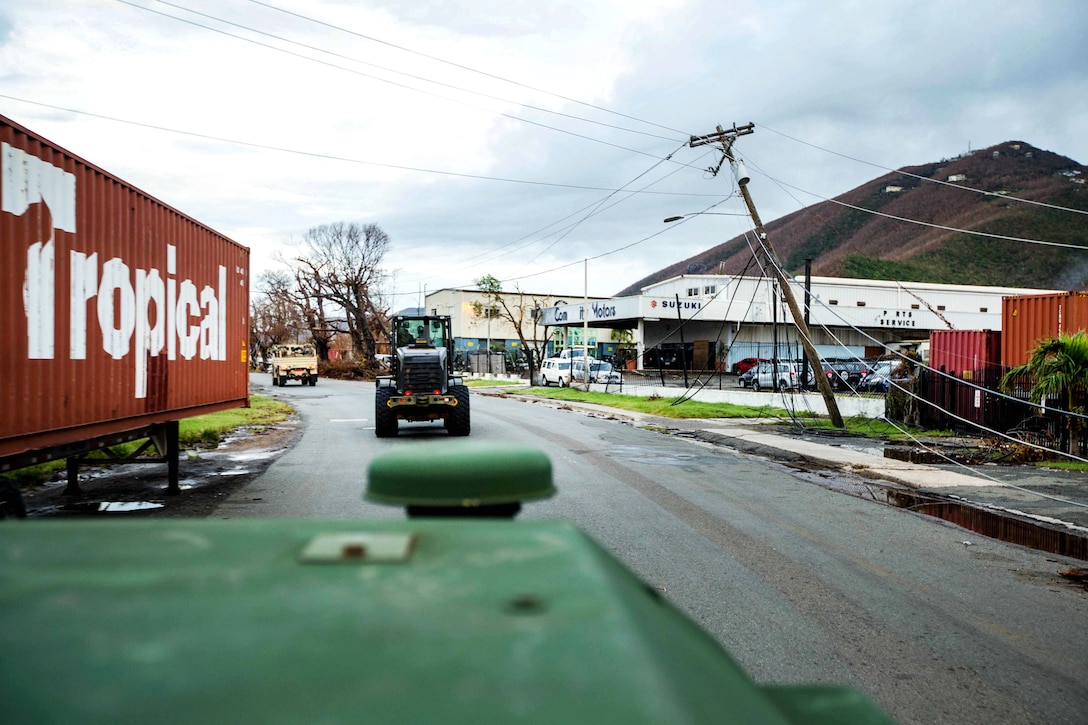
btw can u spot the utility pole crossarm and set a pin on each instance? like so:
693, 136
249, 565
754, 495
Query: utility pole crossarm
722, 135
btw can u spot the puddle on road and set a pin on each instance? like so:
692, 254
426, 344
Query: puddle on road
102, 507
937, 456
931, 455
990, 523
259, 455
122, 506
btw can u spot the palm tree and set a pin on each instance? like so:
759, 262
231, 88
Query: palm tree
1057, 367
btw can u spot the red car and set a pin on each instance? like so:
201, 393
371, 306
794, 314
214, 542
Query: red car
742, 366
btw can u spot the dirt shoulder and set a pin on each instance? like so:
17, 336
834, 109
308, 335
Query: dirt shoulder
206, 477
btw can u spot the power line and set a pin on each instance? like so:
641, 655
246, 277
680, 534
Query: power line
465, 67
602, 201
332, 157
564, 231
380, 67
384, 80
974, 424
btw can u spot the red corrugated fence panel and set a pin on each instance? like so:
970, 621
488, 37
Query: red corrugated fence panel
964, 351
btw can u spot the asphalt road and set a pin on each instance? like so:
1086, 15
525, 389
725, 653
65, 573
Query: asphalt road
798, 583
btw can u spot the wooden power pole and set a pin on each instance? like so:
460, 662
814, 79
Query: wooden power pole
726, 137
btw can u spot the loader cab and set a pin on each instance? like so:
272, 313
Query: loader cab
422, 332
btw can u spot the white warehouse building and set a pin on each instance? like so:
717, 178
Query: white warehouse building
712, 321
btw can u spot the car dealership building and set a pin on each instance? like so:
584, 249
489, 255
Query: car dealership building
712, 321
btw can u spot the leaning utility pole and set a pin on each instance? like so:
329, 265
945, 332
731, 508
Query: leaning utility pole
726, 138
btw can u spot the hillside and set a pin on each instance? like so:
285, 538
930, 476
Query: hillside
845, 242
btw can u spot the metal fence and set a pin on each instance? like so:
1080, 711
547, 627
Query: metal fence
969, 406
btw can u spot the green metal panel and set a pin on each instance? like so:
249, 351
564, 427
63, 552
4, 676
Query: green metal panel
420, 620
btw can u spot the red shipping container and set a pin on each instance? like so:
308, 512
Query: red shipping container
1026, 320
118, 311
964, 353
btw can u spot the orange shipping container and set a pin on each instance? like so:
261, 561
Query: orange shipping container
1028, 319
118, 311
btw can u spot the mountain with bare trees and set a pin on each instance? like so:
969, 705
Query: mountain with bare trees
1026, 209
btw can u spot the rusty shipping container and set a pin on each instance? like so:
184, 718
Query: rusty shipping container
964, 353
1026, 320
118, 311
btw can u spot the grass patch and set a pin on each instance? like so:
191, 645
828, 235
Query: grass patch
1062, 465
875, 428
202, 431
663, 407
209, 430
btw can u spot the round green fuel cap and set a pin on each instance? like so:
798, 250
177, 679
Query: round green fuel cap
459, 474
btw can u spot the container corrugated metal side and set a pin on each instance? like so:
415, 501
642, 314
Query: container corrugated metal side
1027, 319
118, 311
964, 353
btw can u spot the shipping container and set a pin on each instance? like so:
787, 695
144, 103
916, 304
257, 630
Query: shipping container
964, 353
118, 312
1027, 319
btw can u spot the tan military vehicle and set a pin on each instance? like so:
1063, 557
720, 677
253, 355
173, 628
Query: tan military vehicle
293, 362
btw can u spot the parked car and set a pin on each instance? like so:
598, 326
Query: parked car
851, 372
878, 378
832, 374
742, 366
599, 372
783, 376
745, 379
555, 370
844, 374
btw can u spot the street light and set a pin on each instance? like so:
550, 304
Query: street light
699, 213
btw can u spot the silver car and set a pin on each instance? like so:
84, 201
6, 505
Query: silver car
783, 376
599, 372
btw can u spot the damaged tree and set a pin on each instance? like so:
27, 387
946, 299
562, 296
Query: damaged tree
521, 310
294, 305
340, 265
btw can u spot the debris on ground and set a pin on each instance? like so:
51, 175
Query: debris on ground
1075, 576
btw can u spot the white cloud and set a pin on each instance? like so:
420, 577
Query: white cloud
892, 83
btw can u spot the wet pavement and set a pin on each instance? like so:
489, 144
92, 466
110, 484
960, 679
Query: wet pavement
1031, 505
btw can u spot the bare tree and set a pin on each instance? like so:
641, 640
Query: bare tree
340, 265
275, 317
300, 303
521, 310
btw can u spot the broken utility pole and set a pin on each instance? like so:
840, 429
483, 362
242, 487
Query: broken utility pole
726, 137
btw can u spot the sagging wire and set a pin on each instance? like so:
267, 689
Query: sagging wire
915, 396
902, 357
598, 206
700, 383
941, 373
979, 474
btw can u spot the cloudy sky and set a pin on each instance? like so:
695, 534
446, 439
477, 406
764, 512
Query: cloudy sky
519, 138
